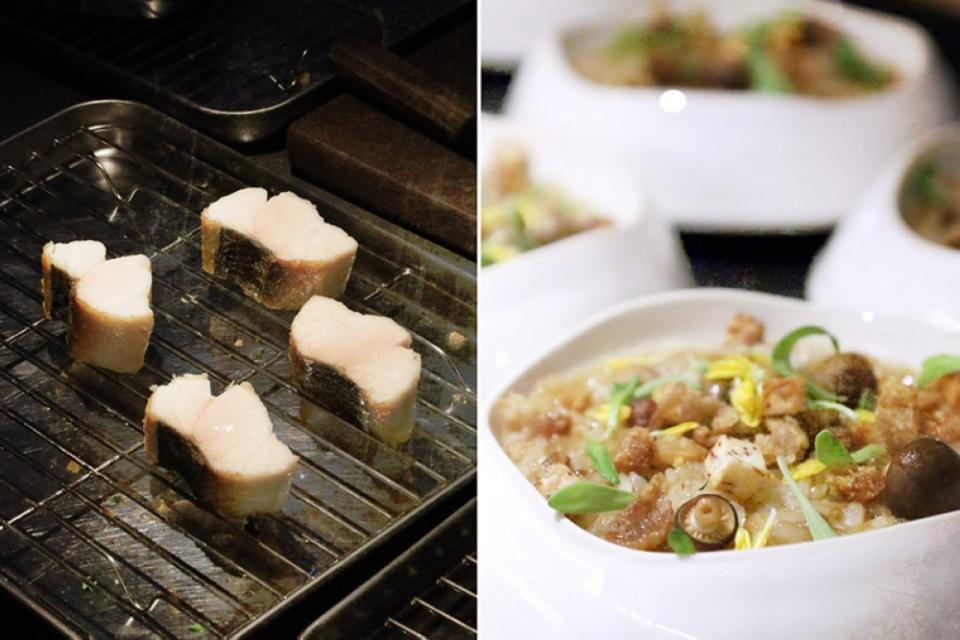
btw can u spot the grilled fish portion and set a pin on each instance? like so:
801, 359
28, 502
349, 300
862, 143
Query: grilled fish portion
62, 264
359, 367
278, 250
110, 316
223, 446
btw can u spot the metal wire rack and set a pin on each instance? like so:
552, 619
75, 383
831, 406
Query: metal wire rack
90, 532
428, 593
239, 69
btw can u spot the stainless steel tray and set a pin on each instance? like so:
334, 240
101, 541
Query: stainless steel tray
90, 533
429, 592
240, 70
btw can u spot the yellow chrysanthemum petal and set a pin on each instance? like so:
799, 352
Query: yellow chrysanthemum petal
742, 540
761, 358
807, 469
729, 368
675, 430
747, 398
601, 413
764, 534
868, 417
632, 361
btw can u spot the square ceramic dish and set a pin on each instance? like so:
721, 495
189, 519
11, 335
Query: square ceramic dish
542, 576
529, 299
875, 262
736, 160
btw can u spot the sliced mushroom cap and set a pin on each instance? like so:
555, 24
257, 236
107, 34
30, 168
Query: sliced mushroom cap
923, 480
847, 375
710, 520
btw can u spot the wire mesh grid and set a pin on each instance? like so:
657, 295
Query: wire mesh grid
223, 59
89, 530
445, 611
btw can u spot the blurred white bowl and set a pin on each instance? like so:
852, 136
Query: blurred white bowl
544, 577
509, 27
528, 300
730, 160
874, 262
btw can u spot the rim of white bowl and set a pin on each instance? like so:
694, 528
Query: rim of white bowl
576, 536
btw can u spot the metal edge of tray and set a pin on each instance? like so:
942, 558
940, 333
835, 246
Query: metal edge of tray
20, 144
350, 620
239, 127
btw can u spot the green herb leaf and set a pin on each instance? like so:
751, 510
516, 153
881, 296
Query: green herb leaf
842, 409
781, 358
868, 400
519, 227
620, 394
819, 529
196, 629
600, 457
646, 389
680, 542
923, 183
935, 367
765, 74
831, 451
852, 64
867, 453
590, 497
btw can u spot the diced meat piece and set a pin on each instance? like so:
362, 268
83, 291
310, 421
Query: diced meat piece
856, 484
641, 412
678, 403
673, 451
635, 452
110, 315
359, 367
784, 396
643, 525
279, 251
62, 264
813, 421
847, 375
939, 405
553, 422
745, 329
726, 420
736, 467
704, 436
898, 419
785, 438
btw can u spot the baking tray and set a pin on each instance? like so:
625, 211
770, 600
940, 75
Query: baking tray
428, 592
92, 535
240, 70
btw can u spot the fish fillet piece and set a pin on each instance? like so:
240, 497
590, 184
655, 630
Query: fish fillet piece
359, 367
62, 264
223, 446
279, 250
110, 316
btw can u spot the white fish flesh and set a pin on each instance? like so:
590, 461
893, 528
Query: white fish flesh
278, 250
359, 367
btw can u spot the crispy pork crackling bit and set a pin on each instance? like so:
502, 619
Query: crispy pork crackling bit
223, 446
62, 264
110, 316
278, 250
359, 367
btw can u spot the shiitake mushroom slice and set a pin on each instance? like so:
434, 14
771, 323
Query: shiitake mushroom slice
710, 520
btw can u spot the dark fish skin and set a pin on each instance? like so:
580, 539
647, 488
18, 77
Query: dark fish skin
242, 260
330, 389
56, 294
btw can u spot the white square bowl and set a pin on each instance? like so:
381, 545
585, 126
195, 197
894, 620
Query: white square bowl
541, 576
532, 298
715, 160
